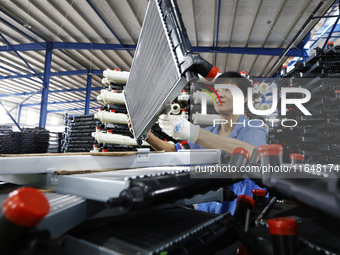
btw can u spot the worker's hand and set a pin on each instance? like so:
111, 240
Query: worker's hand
129, 123
130, 128
178, 127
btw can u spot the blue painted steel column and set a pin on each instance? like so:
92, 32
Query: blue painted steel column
46, 83
19, 113
88, 94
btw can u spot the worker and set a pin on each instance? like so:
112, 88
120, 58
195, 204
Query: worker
226, 137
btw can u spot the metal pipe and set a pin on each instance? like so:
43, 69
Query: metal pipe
115, 139
109, 97
111, 117
88, 94
46, 83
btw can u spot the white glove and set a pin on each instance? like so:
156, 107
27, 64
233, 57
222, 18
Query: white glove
178, 127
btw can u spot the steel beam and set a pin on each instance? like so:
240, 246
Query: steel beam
51, 91
17, 53
61, 102
22, 24
23, 101
72, 109
31, 38
9, 70
17, 29
46, 83
19, 113
107, 25
63, 73
101, 46
9, 115
88, 94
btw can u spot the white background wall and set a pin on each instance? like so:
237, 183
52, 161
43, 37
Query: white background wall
30, 118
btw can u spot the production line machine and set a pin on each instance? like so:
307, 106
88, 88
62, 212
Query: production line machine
143, 206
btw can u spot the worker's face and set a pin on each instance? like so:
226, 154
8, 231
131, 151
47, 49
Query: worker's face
227, 101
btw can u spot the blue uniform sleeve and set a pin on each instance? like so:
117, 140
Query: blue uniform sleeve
195, 145
177, 146
255, 136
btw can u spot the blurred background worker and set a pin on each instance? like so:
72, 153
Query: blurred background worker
225, 137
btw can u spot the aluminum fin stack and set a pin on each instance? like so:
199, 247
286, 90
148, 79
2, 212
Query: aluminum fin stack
163, 64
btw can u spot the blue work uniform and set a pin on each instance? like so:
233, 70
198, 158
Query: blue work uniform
255, 135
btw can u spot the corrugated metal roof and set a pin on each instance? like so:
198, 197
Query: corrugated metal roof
213, 23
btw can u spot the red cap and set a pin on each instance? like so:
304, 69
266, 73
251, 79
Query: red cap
95, 145
297, 156
336, 91
247, 199
115, 91
184, 110
117, 69
183, 142
243, 251
165, 139
110, 131
112, 110
25, 207
256, 82
282, 226
259, 192
330, 43
242, 151
212, 73
101, 109
243, 72
105, 150
284, 66
270, 150
98, 128
184, 90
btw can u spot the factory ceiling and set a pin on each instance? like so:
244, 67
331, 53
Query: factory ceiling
89, 36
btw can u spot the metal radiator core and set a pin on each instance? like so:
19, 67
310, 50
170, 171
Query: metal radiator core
155, 79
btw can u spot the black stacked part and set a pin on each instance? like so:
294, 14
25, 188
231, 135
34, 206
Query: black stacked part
118, 108
318, 135
30, 140
6, 140
78, 133
17, 141
34, 140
